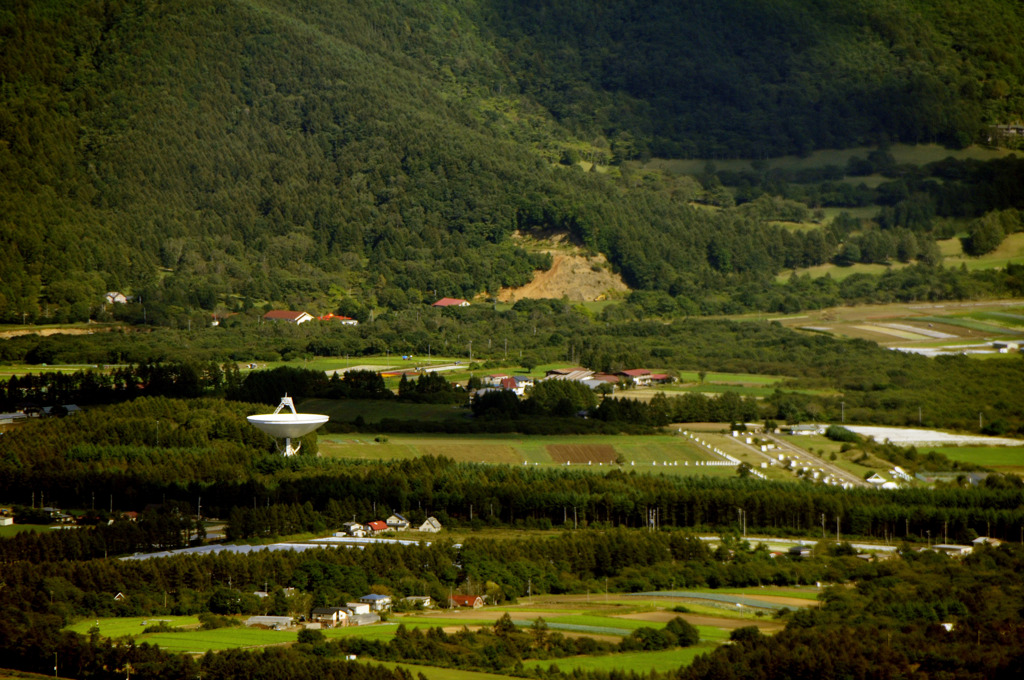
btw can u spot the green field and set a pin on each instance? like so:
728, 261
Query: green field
731, 378
1013, 317
8, 531
1003, 458
641, 662
133, 625
9, 370
434, 673
1010, 250
810, 593
201, 641
836, 272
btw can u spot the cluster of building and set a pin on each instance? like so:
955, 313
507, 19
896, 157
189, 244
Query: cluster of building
30, 410
299, 317
393, 523
366, 611
635, 377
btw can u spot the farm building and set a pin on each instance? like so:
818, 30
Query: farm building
576, 374
272, 622
422, 601
378, 603
431, 525
953, 550
806, 429
985, 540
397, 523
640, 377
330, 617
376, 527
353, 529
474, 601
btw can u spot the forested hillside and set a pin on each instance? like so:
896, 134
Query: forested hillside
217, 155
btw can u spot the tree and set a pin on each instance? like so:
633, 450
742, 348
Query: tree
504, 626
685, 632
984, 235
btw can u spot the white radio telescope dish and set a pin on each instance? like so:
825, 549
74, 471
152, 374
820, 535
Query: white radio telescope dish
286, 425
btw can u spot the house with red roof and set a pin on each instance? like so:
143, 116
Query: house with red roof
450, 302
511, 384
640, 377
474, 601
377, 526
288, 316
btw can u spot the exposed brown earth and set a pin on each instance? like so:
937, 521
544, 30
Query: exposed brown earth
577, 277
582, 453
47, 331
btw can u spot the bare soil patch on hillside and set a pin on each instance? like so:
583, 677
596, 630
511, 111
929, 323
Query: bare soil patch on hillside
46, 331
577, 277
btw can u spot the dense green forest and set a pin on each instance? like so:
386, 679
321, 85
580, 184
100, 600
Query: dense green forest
355, 156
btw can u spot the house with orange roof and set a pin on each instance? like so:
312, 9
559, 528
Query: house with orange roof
343, 320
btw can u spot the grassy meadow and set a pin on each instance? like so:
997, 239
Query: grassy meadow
642, 662
13, 529
435, 673
593, 614
1000, 458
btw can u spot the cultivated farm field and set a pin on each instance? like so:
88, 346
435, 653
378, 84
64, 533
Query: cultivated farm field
596, 452
956, 325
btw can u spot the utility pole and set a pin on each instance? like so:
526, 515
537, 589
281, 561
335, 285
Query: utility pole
823, 526
842, 411
837, 528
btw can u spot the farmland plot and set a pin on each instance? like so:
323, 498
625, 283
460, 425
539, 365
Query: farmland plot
582, 454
